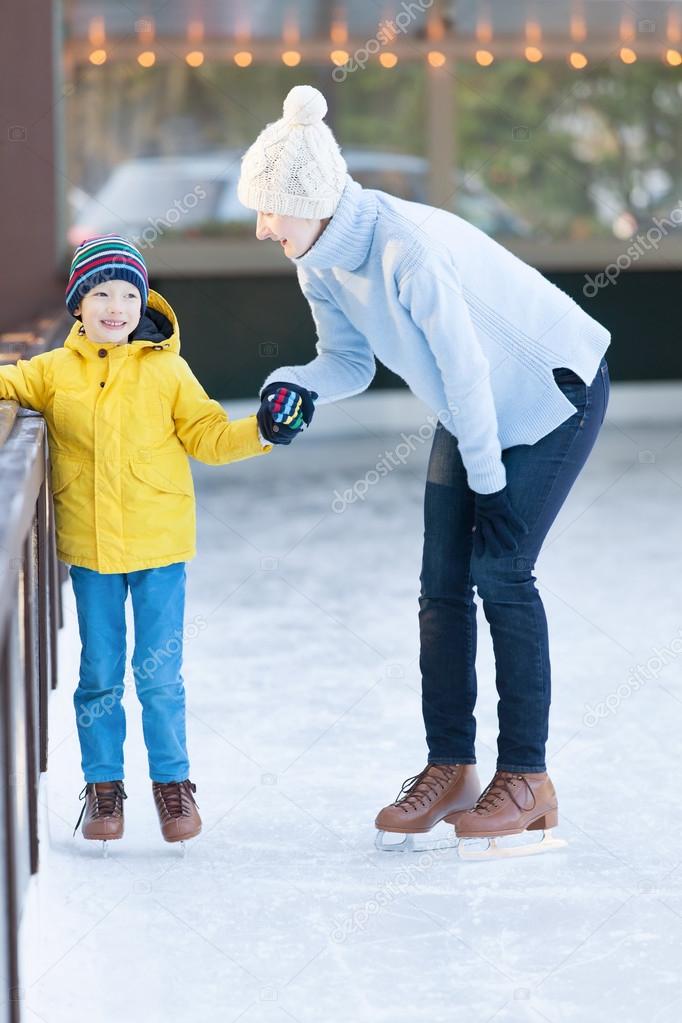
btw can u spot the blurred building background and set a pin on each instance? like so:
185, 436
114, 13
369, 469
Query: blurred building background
554, 125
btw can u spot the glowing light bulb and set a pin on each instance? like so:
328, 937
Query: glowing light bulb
577, 60
339, 57
388, 59
484, 58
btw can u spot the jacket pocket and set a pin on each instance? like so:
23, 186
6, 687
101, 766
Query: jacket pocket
64, 471
169, 477
144, 423
73, 417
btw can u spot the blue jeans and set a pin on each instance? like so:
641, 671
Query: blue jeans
539, 478
158, 596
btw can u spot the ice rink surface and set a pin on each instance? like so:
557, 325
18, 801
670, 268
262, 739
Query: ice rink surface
303, 720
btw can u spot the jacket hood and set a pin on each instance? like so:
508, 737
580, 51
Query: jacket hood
158, 326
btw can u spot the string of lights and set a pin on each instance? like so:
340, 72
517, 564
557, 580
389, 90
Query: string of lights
436, 44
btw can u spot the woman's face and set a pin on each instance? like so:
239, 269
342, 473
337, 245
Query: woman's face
295, 234
111, 311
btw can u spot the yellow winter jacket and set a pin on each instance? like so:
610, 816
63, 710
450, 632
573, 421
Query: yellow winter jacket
121, 421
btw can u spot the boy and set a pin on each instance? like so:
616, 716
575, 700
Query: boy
123, 412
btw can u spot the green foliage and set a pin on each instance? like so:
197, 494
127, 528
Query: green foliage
612, 132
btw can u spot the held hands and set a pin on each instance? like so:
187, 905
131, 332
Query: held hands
284, 410
497, 525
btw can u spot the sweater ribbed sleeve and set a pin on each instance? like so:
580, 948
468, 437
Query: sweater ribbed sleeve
430, 289
345, 362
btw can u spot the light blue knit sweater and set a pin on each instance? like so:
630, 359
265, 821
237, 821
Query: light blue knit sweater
473, 330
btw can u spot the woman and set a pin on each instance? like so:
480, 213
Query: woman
515, 372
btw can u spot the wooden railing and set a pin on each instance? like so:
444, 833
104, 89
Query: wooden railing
30, 615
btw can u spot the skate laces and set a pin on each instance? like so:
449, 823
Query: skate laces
107, 802
420, 787
177, 797
498, 788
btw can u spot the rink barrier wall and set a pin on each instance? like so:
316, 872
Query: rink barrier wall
30, 616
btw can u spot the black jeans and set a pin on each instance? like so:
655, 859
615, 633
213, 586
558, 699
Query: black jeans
539, 478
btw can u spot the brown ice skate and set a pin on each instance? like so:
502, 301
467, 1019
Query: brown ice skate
512, 804
426, 799
177, 809
102, 811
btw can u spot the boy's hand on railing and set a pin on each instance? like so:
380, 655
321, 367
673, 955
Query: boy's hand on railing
284, 410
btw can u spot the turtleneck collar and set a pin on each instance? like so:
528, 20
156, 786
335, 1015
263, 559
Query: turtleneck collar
347, 237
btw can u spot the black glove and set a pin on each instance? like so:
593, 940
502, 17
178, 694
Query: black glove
283, 410
496, 525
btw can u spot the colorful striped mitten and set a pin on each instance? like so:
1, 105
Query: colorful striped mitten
284, 409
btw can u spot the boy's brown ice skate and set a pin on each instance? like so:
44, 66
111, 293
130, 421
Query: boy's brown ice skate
177, 809
102, 811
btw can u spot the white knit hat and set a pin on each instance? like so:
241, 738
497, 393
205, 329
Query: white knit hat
295, 166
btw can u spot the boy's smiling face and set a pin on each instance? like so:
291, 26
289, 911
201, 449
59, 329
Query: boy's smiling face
111, 311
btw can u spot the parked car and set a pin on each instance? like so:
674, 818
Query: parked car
179, 194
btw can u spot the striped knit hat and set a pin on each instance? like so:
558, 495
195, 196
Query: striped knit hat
108, 257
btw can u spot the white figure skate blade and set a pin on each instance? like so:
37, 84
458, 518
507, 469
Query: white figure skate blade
440, 837
529, 843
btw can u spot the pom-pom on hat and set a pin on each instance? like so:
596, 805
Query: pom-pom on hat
109, 257
295, 166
